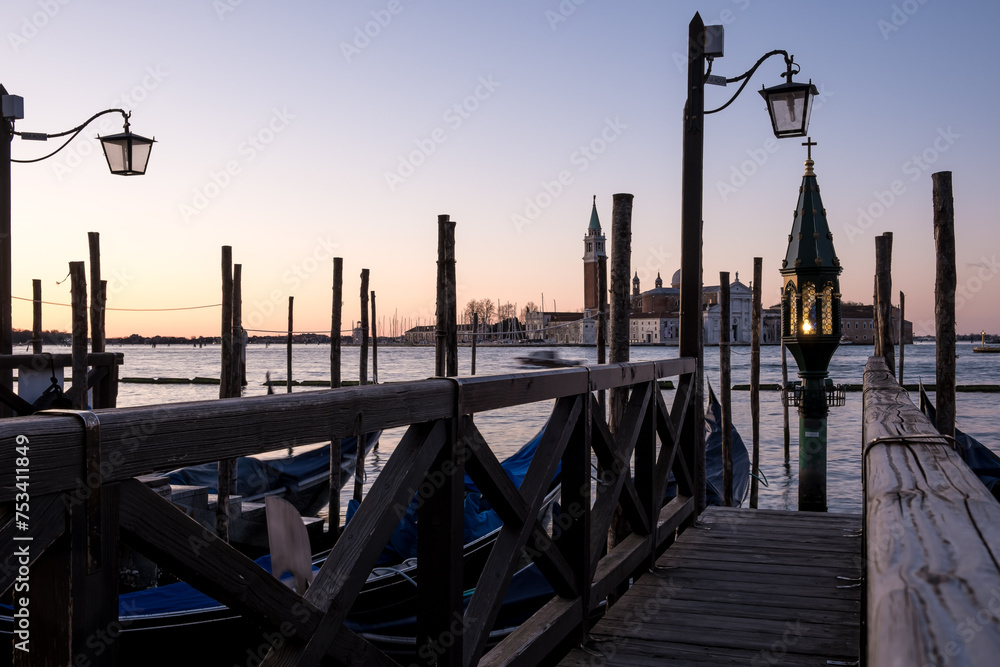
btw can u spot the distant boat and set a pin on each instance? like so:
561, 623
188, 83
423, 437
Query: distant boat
846, 340
547, 359
986, 348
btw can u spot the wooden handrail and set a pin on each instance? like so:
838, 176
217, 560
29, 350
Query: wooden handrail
932, 544
441, 436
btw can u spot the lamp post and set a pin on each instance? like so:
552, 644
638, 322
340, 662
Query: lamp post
789, 106
811, 330
127, 155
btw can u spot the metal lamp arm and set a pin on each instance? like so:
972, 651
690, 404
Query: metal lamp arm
745, 77
74, 132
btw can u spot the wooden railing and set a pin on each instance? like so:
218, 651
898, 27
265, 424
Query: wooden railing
81, 499
932, 539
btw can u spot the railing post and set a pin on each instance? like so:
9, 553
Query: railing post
645, 469
440, 619
573, 523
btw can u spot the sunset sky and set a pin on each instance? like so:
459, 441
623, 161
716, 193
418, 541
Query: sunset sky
300, 131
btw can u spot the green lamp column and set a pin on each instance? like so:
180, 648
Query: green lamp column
811, 329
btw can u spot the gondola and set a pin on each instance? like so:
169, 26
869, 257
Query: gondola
156, 619
980, 459
300, 478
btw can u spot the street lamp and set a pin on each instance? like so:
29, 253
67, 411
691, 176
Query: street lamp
127, 155
811, 330
789, 106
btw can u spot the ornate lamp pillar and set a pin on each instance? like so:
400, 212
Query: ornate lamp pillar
811, 329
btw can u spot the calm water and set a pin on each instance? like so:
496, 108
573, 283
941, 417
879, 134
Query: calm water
507, 430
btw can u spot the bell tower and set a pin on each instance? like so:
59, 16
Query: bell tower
593, 250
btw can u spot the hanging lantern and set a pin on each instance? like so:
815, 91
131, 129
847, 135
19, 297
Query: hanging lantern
127, 153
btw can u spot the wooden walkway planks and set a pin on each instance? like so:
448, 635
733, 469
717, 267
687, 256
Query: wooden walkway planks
744, 587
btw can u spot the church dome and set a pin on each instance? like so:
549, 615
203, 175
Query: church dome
675, 282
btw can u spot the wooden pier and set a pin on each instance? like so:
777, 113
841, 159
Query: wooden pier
741, 587
727, 585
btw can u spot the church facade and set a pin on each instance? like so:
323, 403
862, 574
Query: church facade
655, 314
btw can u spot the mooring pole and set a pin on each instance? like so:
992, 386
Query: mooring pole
288, 347
439, 541
755, 378
883, 300
78, 289
945, 284
475, 329
446, 328
621, 304
602, 326
902, 333
363, 362
335, 451
374, 342
784, 402
238, 372
725, 388
335, 320
96, 298
621, 257
227, 321
36, 316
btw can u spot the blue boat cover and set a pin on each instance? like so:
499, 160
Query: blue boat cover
713, 459
480, 517
256, 476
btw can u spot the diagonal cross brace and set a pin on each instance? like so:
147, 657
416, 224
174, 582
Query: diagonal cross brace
486, 471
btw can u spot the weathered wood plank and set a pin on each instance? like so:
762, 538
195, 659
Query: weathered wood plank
696, 611
932, 548
142, 440
631, 552
532, 642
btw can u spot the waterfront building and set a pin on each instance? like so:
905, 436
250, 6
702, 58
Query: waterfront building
859, 325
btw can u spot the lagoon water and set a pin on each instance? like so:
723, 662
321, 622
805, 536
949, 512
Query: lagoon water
506, 430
